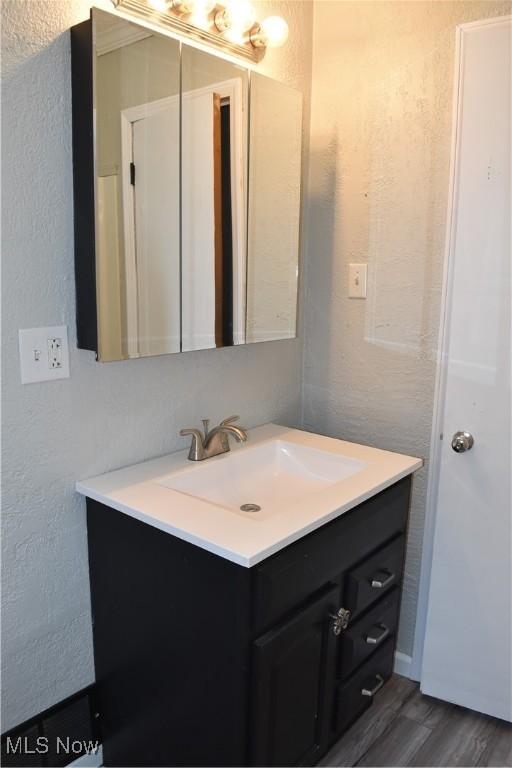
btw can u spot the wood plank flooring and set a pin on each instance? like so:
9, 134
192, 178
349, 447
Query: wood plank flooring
405, 728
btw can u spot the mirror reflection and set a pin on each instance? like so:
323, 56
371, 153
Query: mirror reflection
137, 79
214, 163
193, 251
274, 210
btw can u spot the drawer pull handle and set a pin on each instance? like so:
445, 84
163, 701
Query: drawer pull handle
378, 638
340, 620
382, 579
369, 691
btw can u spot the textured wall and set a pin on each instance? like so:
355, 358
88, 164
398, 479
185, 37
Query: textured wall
379, 164
377, 193
104, 416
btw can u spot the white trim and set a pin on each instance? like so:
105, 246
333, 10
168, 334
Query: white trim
239, 210
403, 666
141, 111
91, 760
469, 25
130, 258
442, 356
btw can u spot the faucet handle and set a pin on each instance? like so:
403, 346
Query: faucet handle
229, 420
185, 432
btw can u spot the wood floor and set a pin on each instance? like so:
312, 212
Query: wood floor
405, 728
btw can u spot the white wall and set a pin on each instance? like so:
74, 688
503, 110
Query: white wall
104, 416
379, 160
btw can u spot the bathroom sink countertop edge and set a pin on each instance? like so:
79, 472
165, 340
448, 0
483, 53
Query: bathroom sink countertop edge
144, 491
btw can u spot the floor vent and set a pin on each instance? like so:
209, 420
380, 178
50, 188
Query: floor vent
58, 736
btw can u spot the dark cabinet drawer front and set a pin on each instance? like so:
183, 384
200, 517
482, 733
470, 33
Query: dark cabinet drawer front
376, 576
356, 694
281, 582
367, 635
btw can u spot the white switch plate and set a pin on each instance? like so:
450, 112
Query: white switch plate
44, 353
357, 281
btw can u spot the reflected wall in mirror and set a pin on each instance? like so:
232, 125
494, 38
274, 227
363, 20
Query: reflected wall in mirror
137, 107
214, 169
274, 210
187, 195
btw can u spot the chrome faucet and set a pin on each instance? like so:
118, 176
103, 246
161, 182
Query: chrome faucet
214, 441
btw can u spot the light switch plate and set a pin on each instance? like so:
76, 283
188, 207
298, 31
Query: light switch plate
44, 353
357, 281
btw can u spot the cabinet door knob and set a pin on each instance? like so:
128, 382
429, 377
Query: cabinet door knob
370, 688
379, 636
340, 620
382, 579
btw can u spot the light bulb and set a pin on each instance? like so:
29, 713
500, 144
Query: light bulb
207, 6
159, 5
182, 6
272, 32
222, 20
202, 11
242, 14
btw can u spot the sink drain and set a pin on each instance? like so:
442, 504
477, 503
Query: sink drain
250, 508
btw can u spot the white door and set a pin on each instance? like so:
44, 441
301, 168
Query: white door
198, 221
468, 644
157, 243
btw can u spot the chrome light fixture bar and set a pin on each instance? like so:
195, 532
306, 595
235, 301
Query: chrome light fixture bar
227, 24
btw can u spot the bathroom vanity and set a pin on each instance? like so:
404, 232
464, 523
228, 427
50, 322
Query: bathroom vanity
224, 637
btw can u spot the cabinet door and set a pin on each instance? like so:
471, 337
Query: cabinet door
293, 673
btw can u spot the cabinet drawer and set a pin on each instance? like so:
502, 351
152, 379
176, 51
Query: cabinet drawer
373, 578
284, 580
356, 694
368, 634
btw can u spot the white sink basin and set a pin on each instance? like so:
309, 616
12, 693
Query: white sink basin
268, 475
300, 480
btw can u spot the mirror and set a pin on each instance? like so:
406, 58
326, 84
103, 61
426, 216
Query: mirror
196, 211
274, 210
214, 189
137, 108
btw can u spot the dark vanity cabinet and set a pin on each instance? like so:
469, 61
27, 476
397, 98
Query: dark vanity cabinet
203, 662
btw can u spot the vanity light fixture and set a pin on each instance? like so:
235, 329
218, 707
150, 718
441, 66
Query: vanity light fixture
227, 24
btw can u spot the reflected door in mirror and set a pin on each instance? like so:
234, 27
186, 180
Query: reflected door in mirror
214, 160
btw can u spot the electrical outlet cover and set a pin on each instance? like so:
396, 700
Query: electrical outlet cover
44, 353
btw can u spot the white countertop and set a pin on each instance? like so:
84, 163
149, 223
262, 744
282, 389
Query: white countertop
244, 538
